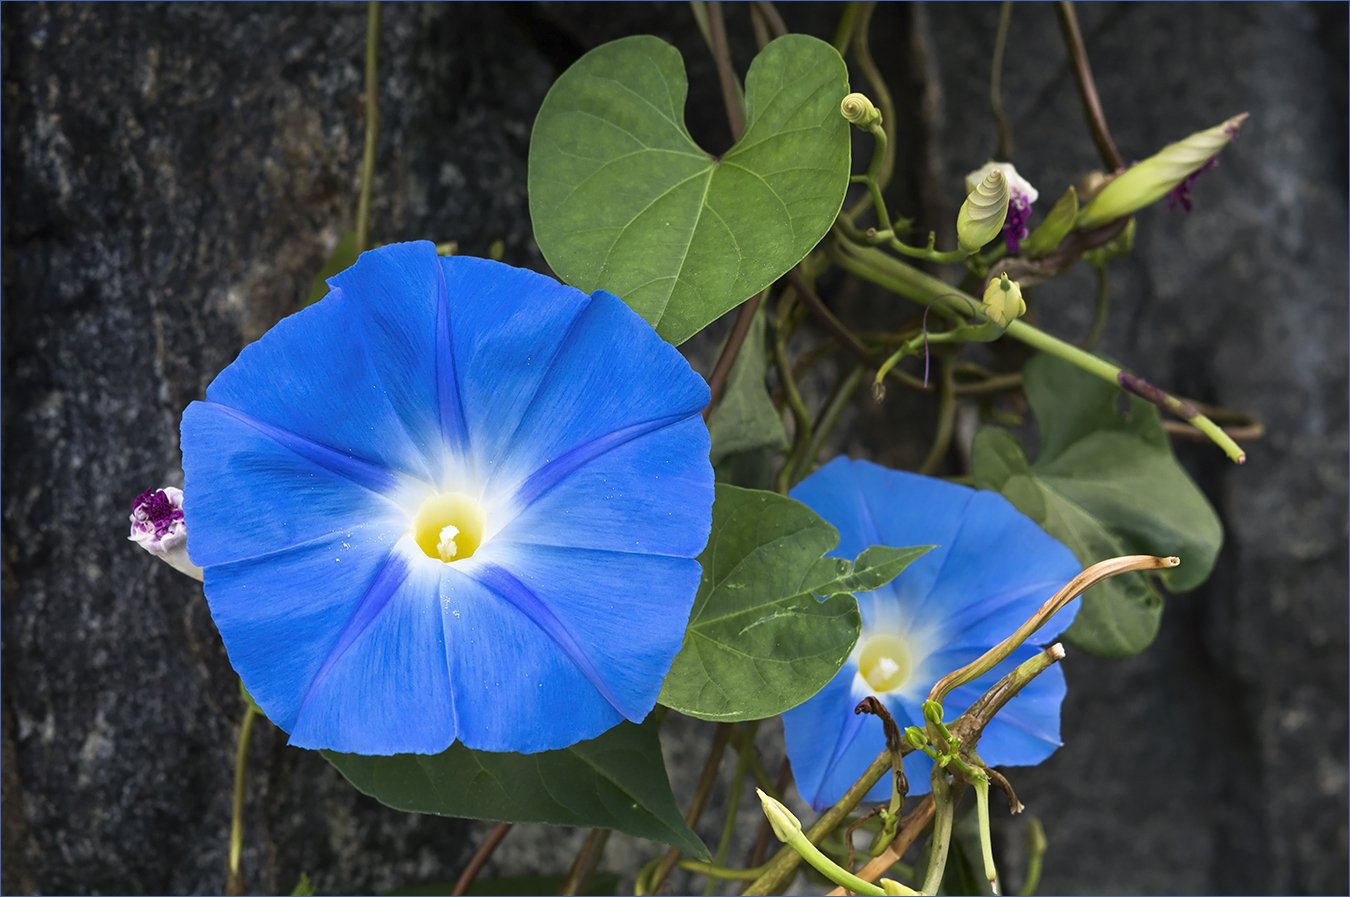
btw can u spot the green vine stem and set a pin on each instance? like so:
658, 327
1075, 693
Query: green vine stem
1003, 149
942, 440
744, 754
235, 883
780, 869
701, 794
910, 282
1035, 854
372, 125
943, 811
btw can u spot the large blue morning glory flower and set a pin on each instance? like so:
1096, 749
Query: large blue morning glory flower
992, 568
452, 500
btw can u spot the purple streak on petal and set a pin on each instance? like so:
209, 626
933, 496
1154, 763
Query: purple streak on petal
1015, 225
513, 590
387, 581
1180, 195
363, 473
451, 407
554, 470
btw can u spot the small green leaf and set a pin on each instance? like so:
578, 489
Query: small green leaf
616, 781
343, 257
745, 418
760, 640
1105, 485
622, 199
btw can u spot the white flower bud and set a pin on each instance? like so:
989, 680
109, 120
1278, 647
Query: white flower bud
982, 214
1003, 301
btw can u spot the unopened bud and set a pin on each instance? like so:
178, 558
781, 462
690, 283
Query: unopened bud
916, 738
1003, 301
1152, 179
891, 886
785, 825
858, 109
157, 526
1056, 226
984, 211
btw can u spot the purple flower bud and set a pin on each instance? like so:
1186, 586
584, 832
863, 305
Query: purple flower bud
157, 526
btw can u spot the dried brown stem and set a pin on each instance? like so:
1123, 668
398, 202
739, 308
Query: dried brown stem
1087, 87
725, 361
480, 859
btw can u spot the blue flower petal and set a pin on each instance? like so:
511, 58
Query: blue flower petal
650, 495
282, 614
827, 742
385, 687
515, 687
354, 372
612, 377
610, 612
253, 489
507, 324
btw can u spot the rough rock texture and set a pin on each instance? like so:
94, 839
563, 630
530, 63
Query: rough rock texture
174, 175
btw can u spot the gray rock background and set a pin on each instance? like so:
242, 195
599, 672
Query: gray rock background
173, 177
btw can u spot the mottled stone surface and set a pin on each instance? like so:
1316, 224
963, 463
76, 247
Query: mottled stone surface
173, 177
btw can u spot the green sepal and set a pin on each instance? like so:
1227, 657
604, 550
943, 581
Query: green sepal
1056, 226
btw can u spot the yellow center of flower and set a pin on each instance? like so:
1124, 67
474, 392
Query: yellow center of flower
449, 526
885, 662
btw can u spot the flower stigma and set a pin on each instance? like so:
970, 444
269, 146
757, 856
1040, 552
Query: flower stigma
885, 661
449, 526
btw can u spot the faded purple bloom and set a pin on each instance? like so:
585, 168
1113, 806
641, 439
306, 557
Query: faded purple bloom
157, 526
1015, 225
1180, 195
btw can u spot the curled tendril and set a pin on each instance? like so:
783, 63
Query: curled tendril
858, 109
982, 214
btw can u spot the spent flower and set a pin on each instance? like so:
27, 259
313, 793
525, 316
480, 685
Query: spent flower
157, 526
452, 500
992, 568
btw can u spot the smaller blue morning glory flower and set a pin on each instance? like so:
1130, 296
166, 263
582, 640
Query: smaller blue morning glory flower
993, 567
452, 500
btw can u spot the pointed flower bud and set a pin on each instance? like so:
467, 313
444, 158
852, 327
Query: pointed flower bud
858, 109
1056, 226
1003, 301
984, 211
1020, 197
157, 526
1173, 170
785, 824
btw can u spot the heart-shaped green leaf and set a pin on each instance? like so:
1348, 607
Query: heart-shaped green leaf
760, 639
623, 200
616, 781
1105, 485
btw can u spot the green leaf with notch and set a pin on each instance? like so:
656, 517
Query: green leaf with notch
1105, 485
760, 639
745, 419
623, 200
616, 781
